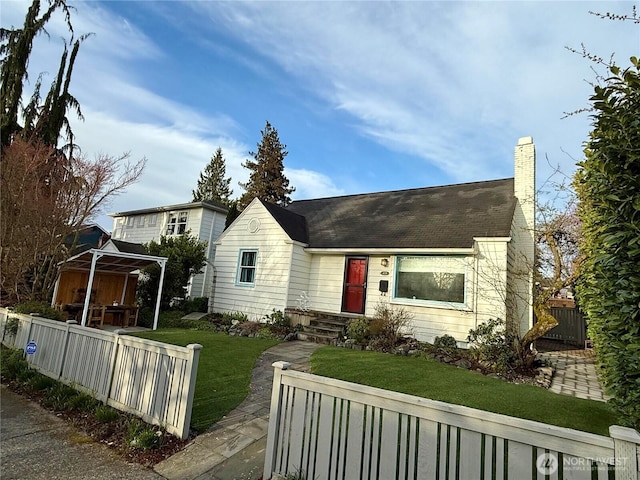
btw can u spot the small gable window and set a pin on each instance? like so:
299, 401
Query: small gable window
423, 279
247, 267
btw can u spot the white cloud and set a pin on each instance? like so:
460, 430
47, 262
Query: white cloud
453, 83
310, 184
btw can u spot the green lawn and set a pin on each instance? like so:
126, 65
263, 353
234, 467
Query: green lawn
224, 370
425, 377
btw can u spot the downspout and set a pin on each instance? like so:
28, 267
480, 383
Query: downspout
476, 287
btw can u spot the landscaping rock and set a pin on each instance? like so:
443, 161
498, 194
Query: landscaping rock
462, 363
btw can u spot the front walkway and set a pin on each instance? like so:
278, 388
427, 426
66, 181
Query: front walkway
234, 447
575, 374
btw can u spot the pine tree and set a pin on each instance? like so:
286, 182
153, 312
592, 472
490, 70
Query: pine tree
267, 180
212, 185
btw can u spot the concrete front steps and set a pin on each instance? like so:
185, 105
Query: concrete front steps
320, 327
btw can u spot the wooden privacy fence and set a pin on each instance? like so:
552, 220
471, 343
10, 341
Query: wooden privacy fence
571, 326
153, 380
330, 429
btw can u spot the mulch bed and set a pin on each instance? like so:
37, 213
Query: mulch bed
112, 434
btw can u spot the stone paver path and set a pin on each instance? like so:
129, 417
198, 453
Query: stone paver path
234, 447
575, 374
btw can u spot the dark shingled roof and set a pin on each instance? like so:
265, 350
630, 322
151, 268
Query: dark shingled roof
435, 217
295, 225
128, 247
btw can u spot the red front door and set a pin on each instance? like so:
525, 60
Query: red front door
355, 285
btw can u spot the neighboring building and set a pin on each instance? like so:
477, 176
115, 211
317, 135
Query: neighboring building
205, 220
454, 256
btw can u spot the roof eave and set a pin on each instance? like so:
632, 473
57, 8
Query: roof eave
393, 251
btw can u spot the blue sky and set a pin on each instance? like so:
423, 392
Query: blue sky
367, 96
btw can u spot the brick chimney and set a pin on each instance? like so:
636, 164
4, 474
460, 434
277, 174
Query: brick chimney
525, 173
523, 231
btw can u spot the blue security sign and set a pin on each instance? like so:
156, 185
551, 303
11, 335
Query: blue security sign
31, 348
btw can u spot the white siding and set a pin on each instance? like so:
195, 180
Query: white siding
486, 280
272, 268
137, 232
299, 276
428, 322
205, 224
325, 282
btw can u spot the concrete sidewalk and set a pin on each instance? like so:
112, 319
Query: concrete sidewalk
234, 448
37, 445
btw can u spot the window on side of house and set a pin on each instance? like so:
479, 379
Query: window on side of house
141, 220
247, 262
153, 219
177, 224
130, 221
431, 279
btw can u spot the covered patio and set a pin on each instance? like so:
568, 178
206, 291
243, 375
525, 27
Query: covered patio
98, 286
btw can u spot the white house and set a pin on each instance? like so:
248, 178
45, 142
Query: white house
454, 256
205, 220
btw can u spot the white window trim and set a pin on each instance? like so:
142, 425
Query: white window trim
177, 223
464, 306
240, 267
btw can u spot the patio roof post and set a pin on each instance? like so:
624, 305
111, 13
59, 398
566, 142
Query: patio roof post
124, 288
155, 318
87, 298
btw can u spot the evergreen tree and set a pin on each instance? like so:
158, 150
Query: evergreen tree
267, 180
42, 122
232, 214
212, 185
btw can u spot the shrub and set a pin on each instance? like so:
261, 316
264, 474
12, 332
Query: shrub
358, 330
445, 342
41, 308
493, 345
608, 188
245, 329
277, 318
11, 326
39, 383
197, 304
391, 322
83, 403
59, 397
143, 436
235, 316
106, 414
13, 364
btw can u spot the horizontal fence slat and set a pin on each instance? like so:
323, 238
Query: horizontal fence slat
526, 431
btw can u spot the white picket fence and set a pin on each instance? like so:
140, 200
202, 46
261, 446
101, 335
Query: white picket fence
330, 429
153, 380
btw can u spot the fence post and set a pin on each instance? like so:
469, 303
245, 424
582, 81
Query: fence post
66, 345
274, 417
112, 364
626, 442
187, 404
